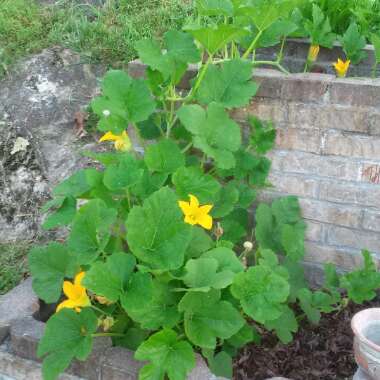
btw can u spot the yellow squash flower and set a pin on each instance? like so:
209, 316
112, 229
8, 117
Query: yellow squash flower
196, 214
341, 67
313, 53
76, 294
122, 142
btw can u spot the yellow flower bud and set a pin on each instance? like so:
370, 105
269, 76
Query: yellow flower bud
313, 53
341, 67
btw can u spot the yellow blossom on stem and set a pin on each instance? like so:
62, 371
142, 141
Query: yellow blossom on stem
313, 53
122, 142
341, 67
103, 300
76, 294
107, 323
196, 214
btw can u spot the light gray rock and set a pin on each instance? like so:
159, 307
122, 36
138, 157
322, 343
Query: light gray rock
361, 375
38, 144
20, 302
15, 368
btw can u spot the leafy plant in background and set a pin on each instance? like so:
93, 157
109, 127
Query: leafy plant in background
155, 257
375, 39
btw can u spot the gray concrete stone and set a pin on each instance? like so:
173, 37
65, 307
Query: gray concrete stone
118, 364
91, 368
20, 302
361, 375
15, 368
38, 143
25, 334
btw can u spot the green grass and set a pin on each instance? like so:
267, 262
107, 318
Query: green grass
107, 34
13, 265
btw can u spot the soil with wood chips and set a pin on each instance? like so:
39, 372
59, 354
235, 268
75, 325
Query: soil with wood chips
318, 352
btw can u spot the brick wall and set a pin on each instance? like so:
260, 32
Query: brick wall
327, 153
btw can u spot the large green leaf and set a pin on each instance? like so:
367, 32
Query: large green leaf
262, 293
263, 135
245, 335
221, 365
214, 39
200, 243
128, 101
214, 132
164, 238
265, 13
64, 213
361, 284
228, 197
208, 318
49, 266
353, 43
181, 46
226, 259
91, 230
313, 303
204, 274
191, 180
319, 28
167, 354
164, 157
108, 279
172, 63
231, 85
79, 183
284, 325
159, 306
215, 7
67, 336
375, 39
127, 173
265, 228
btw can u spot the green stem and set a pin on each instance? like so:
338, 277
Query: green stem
203, 161
199, 80
280, 55
271, 63
187, 147
129, 199
253, 45
374, 70
307, 64
99, 310
171, 114
106, 334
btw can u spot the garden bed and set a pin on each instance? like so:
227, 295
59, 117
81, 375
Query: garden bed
318, 352
322, 352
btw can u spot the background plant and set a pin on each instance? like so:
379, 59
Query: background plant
136, 238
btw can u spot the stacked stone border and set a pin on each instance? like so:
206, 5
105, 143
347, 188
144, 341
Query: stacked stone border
327, 153
20, 333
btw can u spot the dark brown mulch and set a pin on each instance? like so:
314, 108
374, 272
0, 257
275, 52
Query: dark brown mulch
322, 352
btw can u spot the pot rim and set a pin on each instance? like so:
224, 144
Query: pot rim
356, 331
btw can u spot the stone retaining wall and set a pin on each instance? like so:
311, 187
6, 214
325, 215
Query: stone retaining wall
20, 333
327, 153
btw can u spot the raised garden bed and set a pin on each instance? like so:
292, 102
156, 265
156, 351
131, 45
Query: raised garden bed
322, 352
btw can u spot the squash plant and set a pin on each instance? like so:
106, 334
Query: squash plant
155, 256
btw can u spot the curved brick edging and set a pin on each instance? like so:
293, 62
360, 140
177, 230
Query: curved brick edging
20, 334
327, 153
